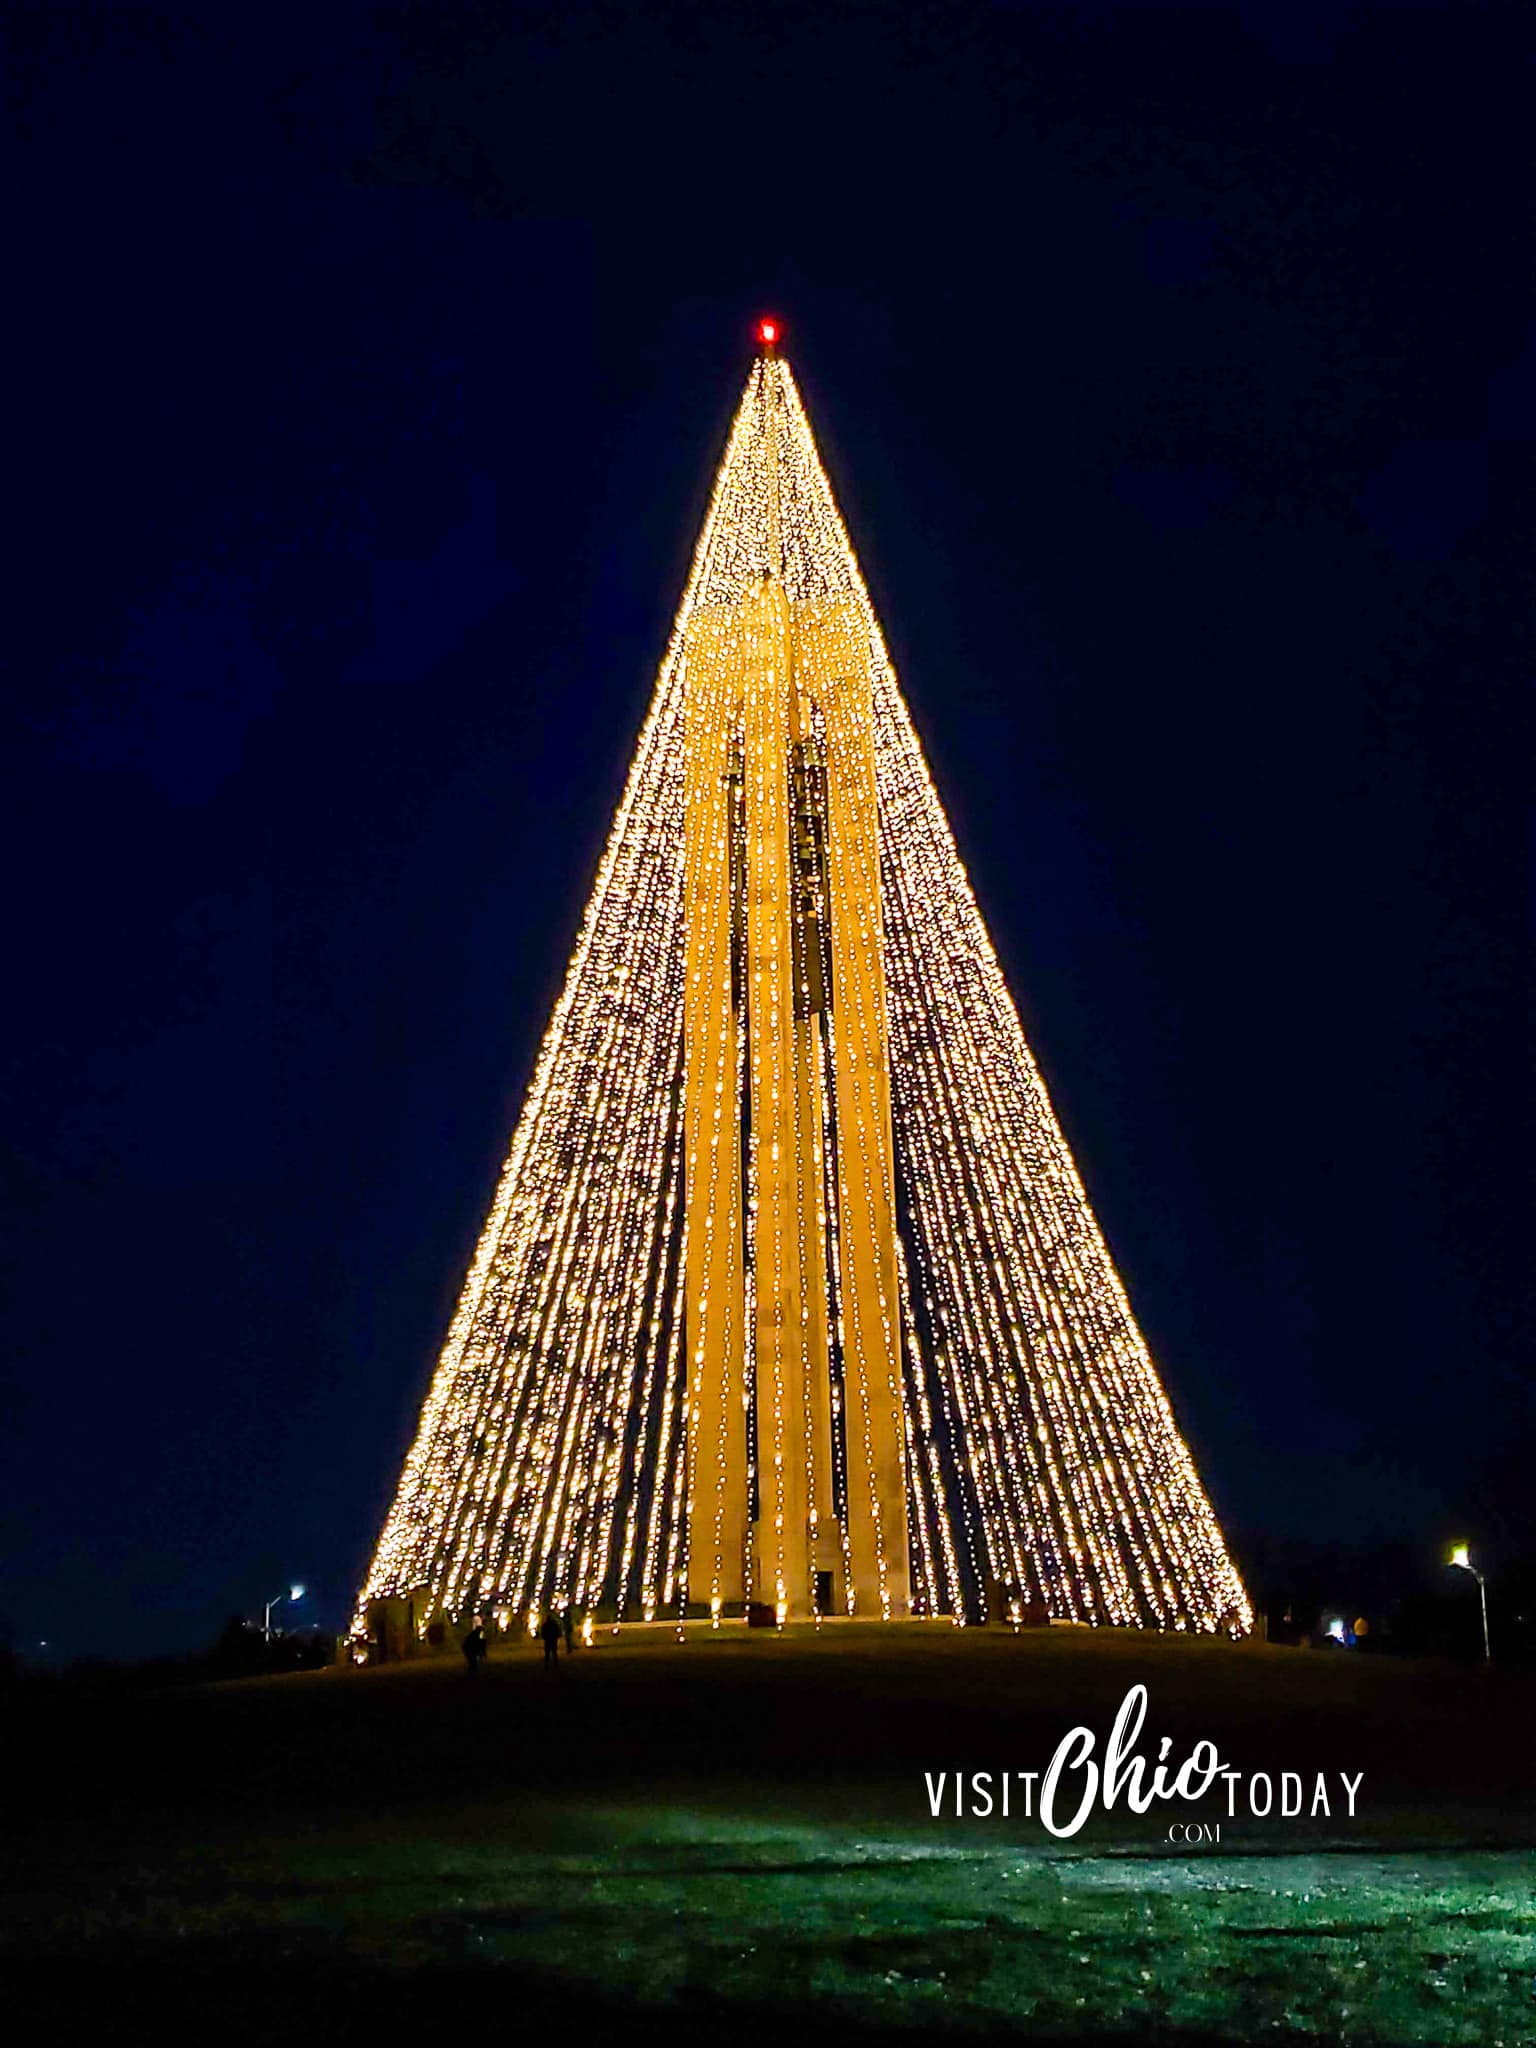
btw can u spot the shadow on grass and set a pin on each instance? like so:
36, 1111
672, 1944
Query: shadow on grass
241, 1993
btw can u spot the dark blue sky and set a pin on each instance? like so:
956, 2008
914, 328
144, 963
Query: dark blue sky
367, 375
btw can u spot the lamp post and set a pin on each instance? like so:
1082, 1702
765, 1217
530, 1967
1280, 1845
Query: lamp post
1461, 1557
293, 1593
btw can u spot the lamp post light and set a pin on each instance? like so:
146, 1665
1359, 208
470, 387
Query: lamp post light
1461, 1557
293, 1593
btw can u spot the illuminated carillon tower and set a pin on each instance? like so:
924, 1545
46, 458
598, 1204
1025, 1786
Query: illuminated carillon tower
796, 1460
790, 1294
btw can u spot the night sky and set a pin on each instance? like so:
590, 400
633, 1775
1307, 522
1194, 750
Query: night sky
367, 373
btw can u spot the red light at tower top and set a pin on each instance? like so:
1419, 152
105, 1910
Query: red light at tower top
768, 332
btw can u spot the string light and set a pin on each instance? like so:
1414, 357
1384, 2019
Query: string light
788, 1222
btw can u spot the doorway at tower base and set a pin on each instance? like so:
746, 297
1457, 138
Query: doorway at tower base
827, 1591
825, 1596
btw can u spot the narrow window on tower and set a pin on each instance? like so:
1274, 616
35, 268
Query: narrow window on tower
736, 812
808, 811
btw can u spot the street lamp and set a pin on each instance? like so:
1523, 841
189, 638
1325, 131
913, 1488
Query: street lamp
293, 1593
1461, 1557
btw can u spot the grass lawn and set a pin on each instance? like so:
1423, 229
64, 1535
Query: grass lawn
733, 1836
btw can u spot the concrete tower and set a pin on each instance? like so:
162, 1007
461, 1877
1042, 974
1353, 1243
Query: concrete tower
797, 1486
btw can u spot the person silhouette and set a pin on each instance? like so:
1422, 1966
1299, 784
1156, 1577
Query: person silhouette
475, 1648
549, 1635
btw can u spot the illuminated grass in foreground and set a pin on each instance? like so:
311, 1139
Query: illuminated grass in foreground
681, 1924
680, 1842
